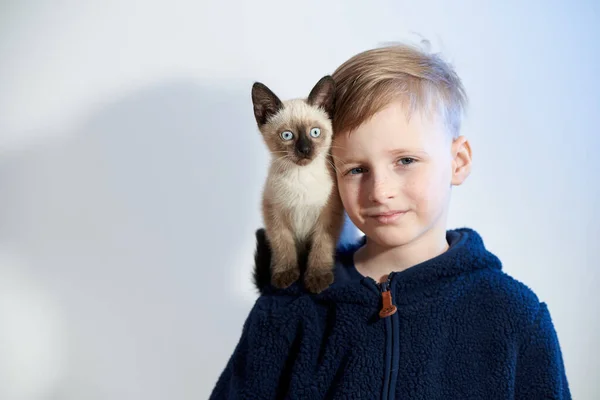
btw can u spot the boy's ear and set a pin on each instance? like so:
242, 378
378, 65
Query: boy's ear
266, 103
322, 95
461, 160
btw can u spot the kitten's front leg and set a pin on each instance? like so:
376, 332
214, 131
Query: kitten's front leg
284, 262
321, 259
319, 270
284, 258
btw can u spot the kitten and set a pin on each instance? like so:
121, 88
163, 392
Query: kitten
301, 205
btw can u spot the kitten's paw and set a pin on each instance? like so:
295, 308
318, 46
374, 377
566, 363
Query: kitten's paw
285, 278
317, 280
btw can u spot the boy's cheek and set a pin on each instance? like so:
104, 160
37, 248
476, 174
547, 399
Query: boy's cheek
345, 196
349, 197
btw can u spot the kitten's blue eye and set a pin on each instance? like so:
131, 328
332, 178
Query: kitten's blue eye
315, 132
287, 135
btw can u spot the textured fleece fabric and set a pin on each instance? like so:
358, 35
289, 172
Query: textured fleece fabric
463, 329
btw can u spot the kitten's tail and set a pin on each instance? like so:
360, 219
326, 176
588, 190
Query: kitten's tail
262, 261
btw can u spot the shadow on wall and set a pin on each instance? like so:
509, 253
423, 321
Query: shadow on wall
131, 223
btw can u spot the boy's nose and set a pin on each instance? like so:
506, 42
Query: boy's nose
381, 192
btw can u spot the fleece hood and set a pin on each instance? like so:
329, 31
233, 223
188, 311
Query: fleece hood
466, 254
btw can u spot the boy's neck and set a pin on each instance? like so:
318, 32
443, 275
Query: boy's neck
378, 262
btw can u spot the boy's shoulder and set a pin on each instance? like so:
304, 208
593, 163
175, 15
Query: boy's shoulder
502, 286
489, 284
504, 299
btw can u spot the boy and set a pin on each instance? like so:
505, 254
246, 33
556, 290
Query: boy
416, 311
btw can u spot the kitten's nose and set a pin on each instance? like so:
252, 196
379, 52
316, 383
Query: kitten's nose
303, 148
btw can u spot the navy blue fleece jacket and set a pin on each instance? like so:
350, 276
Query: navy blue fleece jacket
453, 327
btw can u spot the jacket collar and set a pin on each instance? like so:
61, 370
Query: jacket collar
466, 254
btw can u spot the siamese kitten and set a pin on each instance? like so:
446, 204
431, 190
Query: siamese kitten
301, 206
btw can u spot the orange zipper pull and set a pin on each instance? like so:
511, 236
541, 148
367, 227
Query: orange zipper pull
388, 308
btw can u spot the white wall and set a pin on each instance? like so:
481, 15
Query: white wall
131, 170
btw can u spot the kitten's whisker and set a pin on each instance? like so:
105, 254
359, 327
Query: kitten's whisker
279, 159
279, 162
338, 160
333, 166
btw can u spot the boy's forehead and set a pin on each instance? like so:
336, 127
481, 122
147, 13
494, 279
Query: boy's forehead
387, 141
390, 130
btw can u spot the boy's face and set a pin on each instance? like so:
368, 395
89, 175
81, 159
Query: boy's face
395, 175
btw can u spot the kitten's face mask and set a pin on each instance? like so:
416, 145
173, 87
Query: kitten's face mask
300, 145
297, 131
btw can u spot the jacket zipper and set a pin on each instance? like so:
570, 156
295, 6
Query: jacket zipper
392, 350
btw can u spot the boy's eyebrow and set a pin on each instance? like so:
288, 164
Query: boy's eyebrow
393, 152
407, 151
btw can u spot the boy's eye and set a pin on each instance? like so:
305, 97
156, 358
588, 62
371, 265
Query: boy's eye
406, 161
354, 171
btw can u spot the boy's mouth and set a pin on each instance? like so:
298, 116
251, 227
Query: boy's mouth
385, 214
386, 217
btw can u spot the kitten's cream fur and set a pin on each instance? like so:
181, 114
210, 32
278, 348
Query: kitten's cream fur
301, 204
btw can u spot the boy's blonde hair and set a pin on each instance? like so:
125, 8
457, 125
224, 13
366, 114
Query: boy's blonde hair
371, 80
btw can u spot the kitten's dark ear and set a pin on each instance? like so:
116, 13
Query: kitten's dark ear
266, 104
323, 94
